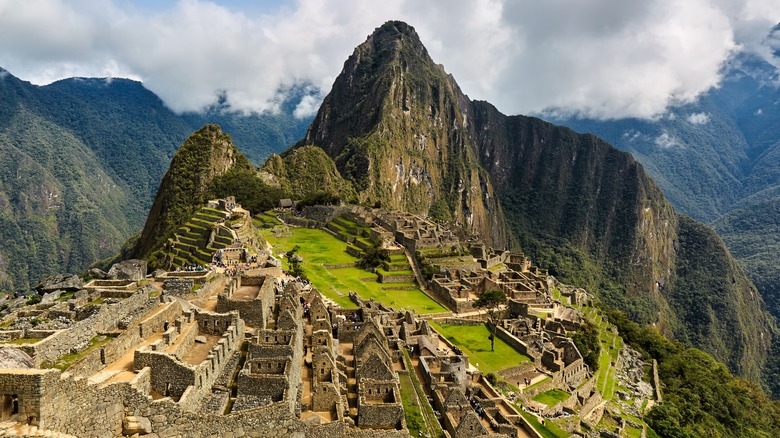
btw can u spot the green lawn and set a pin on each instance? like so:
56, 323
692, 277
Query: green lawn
318, 247
414, 418
423, 420
552, 397
549, 430
474, 341
22, 341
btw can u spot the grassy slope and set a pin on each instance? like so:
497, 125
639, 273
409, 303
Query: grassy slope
474, 341
319, 247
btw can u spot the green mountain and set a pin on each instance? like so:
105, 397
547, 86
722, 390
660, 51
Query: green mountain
398, 127
82, 161
205, 156
401, 131
717, 161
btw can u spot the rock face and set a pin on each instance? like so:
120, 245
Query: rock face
133, 270
64, 282
15, 358
399, 128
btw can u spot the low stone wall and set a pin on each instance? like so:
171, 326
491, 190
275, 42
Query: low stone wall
338, 266
590, 404
511, 373
513, 341
385, 278
10, 335
78, 335
178, 286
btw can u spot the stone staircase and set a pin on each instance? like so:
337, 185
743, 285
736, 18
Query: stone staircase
16, 429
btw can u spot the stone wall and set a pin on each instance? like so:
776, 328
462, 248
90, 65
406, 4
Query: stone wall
77, 407
178, 286
255, 312
513, 341
78, 334
390, 278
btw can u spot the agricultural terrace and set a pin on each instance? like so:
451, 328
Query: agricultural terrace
320, 249
474, 340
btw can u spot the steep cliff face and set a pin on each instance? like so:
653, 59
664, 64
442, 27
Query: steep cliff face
396, 126
399, 128
593, 216
205, 155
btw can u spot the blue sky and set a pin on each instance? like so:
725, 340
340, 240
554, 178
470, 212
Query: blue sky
597, 58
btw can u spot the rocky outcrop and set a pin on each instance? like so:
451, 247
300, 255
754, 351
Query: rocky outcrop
397, 127
63, 282
15, 358
133, 270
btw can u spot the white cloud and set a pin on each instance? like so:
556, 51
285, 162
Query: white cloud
666, 141
698, 118
597, 58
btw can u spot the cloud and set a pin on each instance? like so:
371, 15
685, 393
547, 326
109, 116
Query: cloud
596, 58
698, 118
666, 141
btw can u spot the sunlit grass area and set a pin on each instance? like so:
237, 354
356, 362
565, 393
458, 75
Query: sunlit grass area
475, 342
319, 248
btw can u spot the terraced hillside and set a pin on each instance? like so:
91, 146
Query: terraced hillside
203, 234
397, 272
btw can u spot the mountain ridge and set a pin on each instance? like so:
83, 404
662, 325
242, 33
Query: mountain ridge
124, 137
577, 205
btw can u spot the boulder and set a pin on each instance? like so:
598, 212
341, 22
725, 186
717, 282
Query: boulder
136, 425
200, 339
51, 296
15, 358
158, 272
64, 282
133, 270
97, 273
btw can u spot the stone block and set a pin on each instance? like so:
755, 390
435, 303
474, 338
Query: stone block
136, 425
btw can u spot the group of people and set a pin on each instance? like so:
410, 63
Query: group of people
191, 268
476, 405
15, 295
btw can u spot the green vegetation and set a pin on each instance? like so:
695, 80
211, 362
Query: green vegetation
64, 362
701, 397
587, 342
307, 173
552, 397
424, 422
319, 248
373, 257
295, 263
548, 430
414, 418
250, 191
34, 299
472, 339
490, 301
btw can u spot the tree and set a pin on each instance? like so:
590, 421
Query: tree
491, 301
373, 257
295, 261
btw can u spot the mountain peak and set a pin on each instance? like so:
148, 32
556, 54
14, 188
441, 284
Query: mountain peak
393, 31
